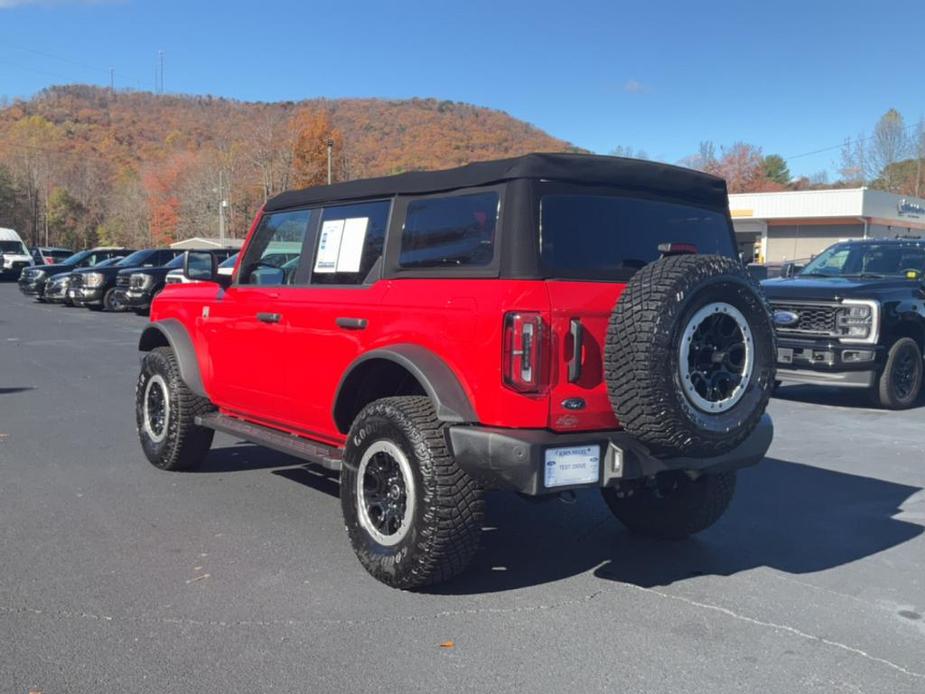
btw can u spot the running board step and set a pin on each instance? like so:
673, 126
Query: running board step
318, 453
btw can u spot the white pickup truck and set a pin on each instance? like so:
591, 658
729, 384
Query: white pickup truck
14, 255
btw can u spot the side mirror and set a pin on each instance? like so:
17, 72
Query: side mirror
199, 266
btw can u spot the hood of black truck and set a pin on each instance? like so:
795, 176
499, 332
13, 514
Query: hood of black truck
832, 288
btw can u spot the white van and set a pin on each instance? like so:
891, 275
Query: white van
14, 255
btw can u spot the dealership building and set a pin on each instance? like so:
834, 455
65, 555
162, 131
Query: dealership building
775, 227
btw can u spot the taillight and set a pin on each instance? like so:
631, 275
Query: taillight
524, 360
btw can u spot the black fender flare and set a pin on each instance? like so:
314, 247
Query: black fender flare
178, 339
438, 380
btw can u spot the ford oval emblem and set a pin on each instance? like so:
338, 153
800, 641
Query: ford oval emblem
573, 404
786, 318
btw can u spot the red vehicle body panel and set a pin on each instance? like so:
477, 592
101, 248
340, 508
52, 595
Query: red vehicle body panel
286, 374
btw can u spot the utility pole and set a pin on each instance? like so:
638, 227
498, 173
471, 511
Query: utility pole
222, 204
330, 153
112, 80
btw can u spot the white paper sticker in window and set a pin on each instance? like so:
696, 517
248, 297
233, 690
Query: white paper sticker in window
351, 245
329, 246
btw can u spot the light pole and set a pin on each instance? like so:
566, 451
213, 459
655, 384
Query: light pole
221, 222
330, 153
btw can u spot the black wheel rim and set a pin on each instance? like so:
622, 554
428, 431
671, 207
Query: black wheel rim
905, 373
385, 495
716, 358
156, 409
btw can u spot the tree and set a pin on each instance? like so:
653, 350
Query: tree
628, 152
313, 131
31, 143
742, 166
7, 199
69, 220
775, 169
889, 145
853, 168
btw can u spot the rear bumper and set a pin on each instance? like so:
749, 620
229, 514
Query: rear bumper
514, 459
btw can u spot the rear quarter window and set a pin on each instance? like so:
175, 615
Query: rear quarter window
601, 237
450, 231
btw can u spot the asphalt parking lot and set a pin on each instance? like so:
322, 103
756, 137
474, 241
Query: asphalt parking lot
115, 576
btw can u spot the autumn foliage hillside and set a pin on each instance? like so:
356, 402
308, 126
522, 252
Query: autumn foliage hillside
86, 165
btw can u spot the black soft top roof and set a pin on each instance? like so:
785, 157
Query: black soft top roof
630, 174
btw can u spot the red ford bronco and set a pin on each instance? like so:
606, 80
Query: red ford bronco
538, 324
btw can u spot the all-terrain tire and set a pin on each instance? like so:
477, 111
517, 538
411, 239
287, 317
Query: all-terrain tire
442, 533
896, 388
649, 390
676, 507
175, 441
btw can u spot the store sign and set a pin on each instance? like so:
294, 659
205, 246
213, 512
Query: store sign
909, 209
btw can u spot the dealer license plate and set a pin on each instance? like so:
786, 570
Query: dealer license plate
568, 466
784, 355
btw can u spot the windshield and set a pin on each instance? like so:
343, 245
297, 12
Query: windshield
108, 261
76, 258
135, 259
12, 247
868, 260
175, 263
230, 262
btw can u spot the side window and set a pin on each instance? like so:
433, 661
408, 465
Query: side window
449, 231
273, 254
350, 242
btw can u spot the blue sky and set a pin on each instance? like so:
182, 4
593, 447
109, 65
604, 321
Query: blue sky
791, 77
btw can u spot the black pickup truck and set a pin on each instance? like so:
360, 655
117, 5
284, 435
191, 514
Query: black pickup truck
855, 316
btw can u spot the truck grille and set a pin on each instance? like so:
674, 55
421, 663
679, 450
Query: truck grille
122, 281
815, 320
77, 280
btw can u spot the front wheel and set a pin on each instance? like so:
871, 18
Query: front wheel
898, 387
165, 414
412, 515
112, 301
673, 506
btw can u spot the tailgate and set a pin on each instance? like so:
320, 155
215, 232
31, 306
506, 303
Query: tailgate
578, 394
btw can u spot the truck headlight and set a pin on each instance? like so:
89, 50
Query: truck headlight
140, 280
859, 321
38, 274
93, 279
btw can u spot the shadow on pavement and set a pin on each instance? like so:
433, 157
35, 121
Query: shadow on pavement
246, 456
832, 396
10, 391
788, 516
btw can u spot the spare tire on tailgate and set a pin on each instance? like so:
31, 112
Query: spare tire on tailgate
690, 355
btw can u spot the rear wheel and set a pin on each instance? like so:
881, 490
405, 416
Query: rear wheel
412, 515
165, 414
899, 385
673, 506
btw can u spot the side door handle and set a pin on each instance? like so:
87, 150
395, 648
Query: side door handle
574, 364
269, 317
351, 323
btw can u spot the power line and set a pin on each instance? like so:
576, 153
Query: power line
833, 147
